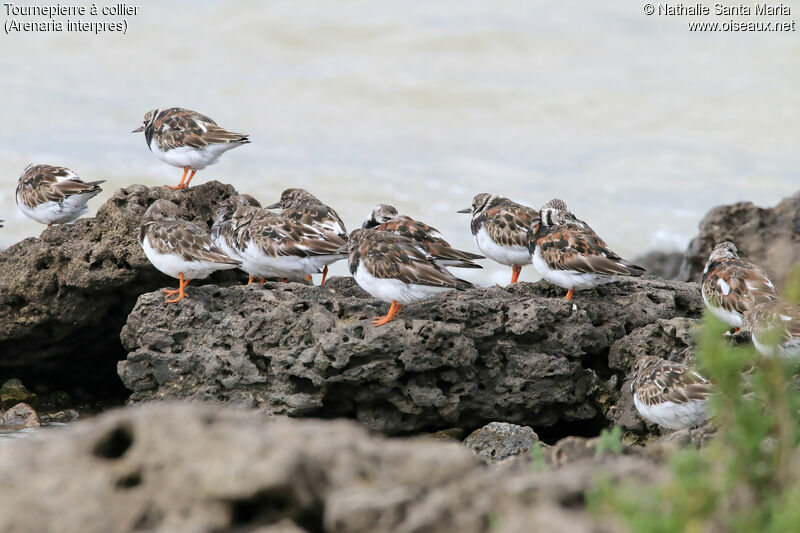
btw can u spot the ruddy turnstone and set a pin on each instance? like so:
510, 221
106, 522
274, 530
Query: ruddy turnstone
732, 286
303, 207
392, 269
54, 195
669, 394
272, 245
568, 253
774, 328
179, 248
428, 239
222, 230
187, 139
500, 227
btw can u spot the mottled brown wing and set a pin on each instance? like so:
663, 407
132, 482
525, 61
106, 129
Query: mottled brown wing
176, 127
191, 242
48, 183
391, 256
429, 240
321, 217
574, 247
280, 236
746, 285
673, 383
508, 224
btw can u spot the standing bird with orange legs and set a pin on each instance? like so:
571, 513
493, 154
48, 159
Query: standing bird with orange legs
223, 230
303, 207
186, 139
568, 253
392, 269
179, 248
500, 227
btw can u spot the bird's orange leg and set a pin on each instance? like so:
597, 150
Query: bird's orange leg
179, 291
180, 185
569, 294
393, 310
262, 281
516, 269
250, 279
308, 279
324, 275
190, 179
285, 280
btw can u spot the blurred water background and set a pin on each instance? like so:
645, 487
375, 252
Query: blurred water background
639, 124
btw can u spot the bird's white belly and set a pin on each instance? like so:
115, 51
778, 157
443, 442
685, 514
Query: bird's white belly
322, 261
567, 279
506, 255
174, 265
194, 158
731, 318
260, 264
57, 213
389, 290
673, 415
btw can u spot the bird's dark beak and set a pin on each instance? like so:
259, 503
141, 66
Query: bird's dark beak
467, 210
138, 130
342, 250
276, 205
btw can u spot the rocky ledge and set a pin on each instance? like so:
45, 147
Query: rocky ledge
523, 354
65, 295
205, 468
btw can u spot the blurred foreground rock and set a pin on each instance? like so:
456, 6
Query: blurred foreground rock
194, 468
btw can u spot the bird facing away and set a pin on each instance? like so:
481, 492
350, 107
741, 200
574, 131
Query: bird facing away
179, 248
187, 139
54, 195
568, 253
303, 207
500, 228
273, 245
222, 229
731, 286
392, 269
669, 394
774, 327
428, 239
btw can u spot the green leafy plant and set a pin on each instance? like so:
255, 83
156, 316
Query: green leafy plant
537, 456
610, 441
748, 478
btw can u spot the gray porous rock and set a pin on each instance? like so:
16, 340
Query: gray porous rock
521, 354
206, 468
499, 440
65, 295
768, 237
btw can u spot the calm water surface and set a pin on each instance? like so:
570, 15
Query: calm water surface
639, 124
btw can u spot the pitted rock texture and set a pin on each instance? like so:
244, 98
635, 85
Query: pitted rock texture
65, 295
521, 355
193, 468
768, 237
499, 440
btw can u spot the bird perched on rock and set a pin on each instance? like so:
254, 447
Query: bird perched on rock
500, 227
54, 195
731, 286
303, 207
428, 240
392, 269
669, 394
179, 248
187, 139
273, 245
774, 327
568, 253
222, 230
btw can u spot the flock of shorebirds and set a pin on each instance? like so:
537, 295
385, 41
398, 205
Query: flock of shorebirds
401, 260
